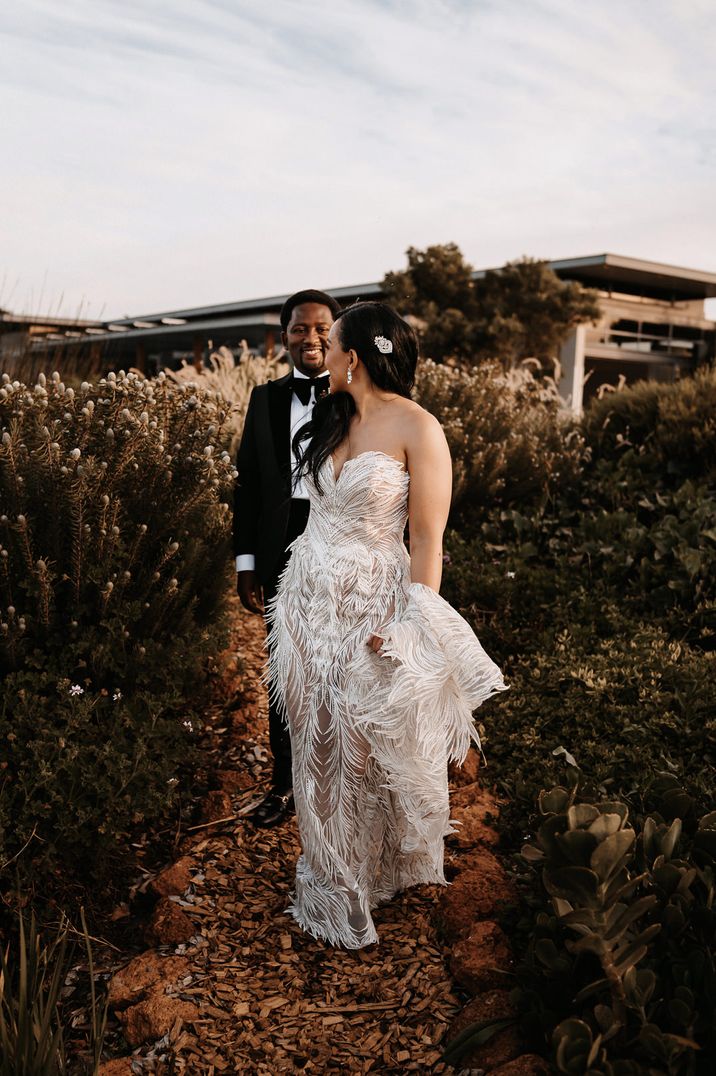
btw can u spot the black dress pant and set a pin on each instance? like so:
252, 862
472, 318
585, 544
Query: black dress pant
279, 738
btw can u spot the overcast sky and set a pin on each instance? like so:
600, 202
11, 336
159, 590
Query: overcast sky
179, 152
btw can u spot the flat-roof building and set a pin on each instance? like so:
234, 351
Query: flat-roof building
653, 325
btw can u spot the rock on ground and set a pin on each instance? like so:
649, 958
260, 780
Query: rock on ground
477, 893
480, 960
175, 879
142, 973
471, 806
169, 925
155, 1016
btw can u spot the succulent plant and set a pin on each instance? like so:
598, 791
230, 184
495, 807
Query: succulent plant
621, 899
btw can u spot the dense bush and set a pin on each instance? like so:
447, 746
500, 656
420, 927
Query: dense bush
599, 601
510, 438
114, 568
670, 428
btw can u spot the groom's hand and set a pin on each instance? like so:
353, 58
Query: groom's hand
249, 590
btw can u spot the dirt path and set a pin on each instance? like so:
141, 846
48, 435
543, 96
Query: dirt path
270, 999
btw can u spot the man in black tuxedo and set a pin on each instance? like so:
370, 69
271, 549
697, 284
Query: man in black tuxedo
270, 508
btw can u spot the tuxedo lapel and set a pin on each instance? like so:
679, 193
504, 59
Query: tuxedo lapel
279, 405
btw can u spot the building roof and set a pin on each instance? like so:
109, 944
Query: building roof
176, 328
608, 271
271, 303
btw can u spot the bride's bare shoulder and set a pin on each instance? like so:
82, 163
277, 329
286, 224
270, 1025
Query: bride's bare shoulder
421, 422
422, 430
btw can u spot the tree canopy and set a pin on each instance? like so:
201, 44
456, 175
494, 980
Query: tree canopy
520, 311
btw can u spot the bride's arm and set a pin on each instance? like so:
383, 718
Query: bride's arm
429, 499
428, 461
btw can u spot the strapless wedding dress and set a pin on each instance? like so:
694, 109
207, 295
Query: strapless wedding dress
371, 734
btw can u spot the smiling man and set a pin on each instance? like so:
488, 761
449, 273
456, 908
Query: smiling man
270, 509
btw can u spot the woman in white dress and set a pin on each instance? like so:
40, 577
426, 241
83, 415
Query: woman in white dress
378, 675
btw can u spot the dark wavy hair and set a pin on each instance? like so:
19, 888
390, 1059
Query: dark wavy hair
358, 327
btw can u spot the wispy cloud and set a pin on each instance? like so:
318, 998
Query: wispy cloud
199, 150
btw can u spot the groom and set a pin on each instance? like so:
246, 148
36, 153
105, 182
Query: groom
271, 509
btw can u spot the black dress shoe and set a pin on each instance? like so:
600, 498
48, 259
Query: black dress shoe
272, 809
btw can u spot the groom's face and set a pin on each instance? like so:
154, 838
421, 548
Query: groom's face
306, 337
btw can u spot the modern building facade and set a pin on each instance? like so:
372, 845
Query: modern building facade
653, 325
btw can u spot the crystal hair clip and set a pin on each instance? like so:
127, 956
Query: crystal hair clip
384, 345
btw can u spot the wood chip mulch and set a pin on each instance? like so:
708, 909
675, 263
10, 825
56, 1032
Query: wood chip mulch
271, 999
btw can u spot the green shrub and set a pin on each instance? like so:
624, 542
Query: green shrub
670, 427
621, 957
511, 440
599, 602
114, 569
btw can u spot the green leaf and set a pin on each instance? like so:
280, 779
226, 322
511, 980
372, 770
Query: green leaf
555, 801
573, 1041
631, 914
579, 917
474, 1035
576, 884
597, 987
577, 846
628, 955
531, 853
581, 814
569, 759
671, 837
680, 1012
605, 825
610, 856
639, 985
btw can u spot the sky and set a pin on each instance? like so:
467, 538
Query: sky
183, 152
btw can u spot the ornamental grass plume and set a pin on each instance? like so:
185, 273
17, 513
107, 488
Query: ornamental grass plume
115, 534
232, 380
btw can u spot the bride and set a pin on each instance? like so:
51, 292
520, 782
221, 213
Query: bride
377, 674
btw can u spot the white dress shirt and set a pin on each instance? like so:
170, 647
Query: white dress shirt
300, 415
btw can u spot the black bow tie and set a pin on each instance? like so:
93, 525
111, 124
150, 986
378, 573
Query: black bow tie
302, 387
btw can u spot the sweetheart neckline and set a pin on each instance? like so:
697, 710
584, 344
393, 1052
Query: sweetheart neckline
366, 452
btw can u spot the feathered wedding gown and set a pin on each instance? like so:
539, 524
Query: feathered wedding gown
371, 734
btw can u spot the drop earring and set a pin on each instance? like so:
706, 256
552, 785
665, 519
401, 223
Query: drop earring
349, 377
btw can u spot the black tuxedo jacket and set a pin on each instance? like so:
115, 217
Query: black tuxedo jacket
262, 497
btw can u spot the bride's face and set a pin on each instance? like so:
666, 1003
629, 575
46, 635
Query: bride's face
337, 361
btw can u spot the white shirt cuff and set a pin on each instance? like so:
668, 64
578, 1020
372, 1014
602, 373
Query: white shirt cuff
245, 562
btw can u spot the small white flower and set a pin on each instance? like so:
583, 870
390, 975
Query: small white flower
117, 695
384, 345
77, 690
510, 575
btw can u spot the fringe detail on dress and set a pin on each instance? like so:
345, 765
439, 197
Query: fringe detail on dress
371, 734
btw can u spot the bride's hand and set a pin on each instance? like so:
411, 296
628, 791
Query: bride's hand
375, 642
